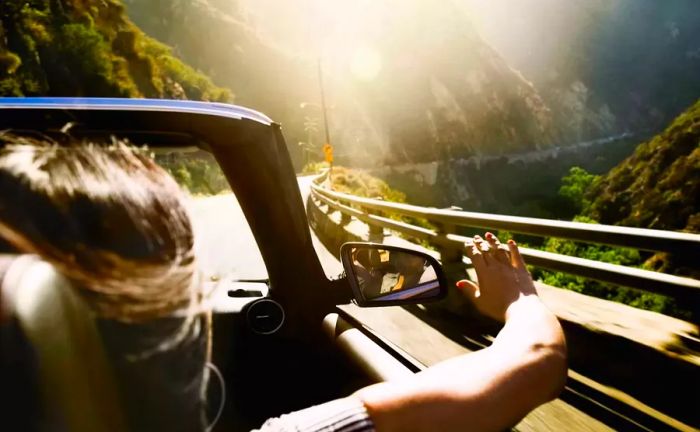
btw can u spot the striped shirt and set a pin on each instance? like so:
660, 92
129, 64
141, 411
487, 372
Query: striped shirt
341, 415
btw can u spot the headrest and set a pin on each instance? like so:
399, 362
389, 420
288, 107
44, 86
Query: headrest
77, 380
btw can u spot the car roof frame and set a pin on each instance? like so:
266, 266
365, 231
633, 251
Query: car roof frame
247, 145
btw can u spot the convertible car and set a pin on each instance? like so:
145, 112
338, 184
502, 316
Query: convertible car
280, 340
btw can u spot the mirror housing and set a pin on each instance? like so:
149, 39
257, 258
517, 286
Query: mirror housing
383, 275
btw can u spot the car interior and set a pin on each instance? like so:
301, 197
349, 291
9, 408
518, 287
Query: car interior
280, 343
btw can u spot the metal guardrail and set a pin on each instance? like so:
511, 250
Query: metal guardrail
451, 244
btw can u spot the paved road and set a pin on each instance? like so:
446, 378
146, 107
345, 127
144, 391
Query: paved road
225, 245
226, 250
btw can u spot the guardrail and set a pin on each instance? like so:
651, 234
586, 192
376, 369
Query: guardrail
451, 246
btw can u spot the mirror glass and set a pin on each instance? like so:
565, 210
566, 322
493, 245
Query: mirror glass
393, 275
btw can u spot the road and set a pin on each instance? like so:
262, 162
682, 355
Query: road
224, 243
226, 250
226, 247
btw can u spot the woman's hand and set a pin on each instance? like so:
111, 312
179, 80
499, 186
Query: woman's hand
493, 388
501, 273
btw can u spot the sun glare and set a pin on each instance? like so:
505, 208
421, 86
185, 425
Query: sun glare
366, 64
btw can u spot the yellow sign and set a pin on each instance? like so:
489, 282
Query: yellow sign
328, 152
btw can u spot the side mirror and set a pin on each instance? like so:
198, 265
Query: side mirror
383, 275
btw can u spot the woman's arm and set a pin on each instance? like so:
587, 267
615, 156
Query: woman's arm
494, 388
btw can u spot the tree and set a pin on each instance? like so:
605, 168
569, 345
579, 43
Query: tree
574, 187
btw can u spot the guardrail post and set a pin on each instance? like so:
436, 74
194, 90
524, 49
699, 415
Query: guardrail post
376, 234
453, 265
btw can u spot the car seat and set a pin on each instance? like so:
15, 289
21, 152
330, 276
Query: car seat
76, 380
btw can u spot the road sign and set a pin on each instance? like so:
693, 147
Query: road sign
328, 152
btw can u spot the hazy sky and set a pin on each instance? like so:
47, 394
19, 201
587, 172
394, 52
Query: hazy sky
604, 60
344, 31
532, 35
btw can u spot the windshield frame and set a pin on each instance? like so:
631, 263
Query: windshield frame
251, 151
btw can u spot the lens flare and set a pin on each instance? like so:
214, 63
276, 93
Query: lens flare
366, 64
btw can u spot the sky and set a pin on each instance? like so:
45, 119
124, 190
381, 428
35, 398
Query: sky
345, 33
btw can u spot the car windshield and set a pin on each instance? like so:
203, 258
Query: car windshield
225, 247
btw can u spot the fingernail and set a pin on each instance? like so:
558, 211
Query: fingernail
488, 234
461, 284
512, 242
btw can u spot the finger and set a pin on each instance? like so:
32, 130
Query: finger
515, 258
475, 255
499, 252
483, 248
481, 244
502, 254
493, 240
469, 288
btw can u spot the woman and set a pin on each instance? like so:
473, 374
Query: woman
115, 224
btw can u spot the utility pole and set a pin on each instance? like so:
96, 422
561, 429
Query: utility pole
327, 148
310, 127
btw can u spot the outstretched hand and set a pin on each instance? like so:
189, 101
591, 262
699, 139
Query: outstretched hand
501, 273
492, 388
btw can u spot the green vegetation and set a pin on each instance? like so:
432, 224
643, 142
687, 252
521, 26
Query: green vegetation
657, 187
89, 48
574, 187
314, 168
198, 174
359, 183
613, 255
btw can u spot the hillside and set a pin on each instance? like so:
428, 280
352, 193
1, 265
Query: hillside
89, 48
526, 184
622, 65
439, 92
217, 37
658, 186
443, 93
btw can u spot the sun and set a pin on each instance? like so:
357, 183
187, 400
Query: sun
366, 63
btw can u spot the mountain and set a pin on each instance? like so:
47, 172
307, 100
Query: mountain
443, 93
89, 48
219, 38
438, 91
624, 65
519, 184
657, 187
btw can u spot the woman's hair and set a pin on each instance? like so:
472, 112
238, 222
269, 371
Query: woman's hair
107, 217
